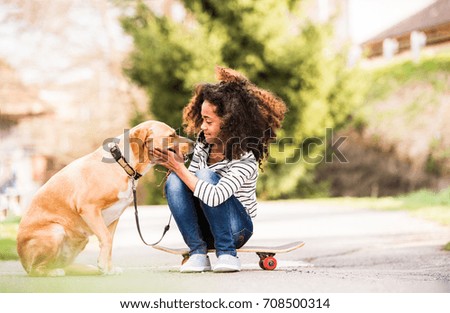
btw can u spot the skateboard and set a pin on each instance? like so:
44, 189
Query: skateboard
266, 254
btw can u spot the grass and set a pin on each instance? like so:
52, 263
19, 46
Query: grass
8, 231
391, 77
424, 203
8, 249
427, 204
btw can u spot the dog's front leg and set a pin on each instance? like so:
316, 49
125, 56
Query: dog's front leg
112, 228
94, 220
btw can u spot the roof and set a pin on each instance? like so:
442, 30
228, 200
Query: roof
435, 14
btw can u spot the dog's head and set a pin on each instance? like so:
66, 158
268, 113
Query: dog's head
150, 135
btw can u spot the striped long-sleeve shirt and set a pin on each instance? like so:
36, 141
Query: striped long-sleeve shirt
237, 177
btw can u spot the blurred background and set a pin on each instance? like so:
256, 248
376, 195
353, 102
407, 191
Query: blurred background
375, 73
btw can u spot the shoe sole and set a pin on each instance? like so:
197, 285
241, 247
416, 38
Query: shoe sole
195, 270
220, 269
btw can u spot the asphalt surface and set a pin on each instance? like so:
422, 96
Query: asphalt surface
347, 250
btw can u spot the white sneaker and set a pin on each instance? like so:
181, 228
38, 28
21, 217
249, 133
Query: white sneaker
227, 263
196, 263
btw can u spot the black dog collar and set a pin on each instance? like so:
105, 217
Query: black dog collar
117, 155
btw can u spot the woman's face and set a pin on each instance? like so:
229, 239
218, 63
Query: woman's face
211, 123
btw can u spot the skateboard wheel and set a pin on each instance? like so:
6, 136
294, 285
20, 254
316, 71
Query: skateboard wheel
261, 264
269, 263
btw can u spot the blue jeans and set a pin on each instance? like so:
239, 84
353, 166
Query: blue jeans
225, 227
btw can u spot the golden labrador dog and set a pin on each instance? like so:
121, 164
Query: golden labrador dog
87, 198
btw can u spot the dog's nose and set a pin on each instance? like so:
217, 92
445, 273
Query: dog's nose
187, 146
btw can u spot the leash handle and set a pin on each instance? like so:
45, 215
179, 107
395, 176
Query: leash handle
136, 215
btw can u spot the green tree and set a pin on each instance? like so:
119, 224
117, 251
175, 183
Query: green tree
167, 61
275, 47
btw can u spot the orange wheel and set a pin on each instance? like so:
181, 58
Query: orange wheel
269, 263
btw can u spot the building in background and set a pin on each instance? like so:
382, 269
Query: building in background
63, 90
428, 27
21, 171
385, 28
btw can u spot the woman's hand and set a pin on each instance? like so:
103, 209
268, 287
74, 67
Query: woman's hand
168, 159
175, 163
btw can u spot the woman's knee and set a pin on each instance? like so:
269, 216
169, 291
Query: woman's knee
207, 175
173, 183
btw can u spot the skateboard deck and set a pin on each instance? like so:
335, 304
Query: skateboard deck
266, 254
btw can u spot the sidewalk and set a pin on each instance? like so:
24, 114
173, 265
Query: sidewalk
347, 250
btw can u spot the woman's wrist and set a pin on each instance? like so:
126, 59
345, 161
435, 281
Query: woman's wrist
187, 177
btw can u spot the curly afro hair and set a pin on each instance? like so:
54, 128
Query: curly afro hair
250, 115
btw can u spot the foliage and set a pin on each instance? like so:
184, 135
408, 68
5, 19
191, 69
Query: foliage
271, 43
167, 61
409, 95
388, 78
447, 247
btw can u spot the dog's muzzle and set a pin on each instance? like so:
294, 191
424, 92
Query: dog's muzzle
185, 156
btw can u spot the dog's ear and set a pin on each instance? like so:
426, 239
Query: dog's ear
229, 75
138, 138
138, 135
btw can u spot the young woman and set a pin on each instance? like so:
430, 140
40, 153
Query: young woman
214, 200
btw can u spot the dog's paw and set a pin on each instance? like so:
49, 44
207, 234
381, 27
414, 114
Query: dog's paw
57, 272
116, 270
113, 271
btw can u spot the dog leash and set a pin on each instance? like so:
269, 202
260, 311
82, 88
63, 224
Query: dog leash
136, 215
134, 175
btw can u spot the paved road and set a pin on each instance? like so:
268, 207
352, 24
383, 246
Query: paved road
347, 250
